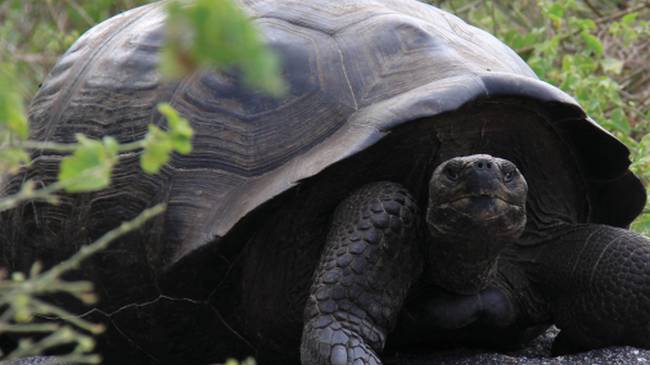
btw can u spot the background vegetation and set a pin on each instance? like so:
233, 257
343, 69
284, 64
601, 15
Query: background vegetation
596, 50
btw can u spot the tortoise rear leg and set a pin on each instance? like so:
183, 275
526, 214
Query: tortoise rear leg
597, 279
367, 266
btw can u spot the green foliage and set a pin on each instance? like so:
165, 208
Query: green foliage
12, 114
34, 33
218, 34
596, 51
90, 165
158, 145
12, 159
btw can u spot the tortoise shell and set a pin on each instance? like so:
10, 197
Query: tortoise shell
361, 74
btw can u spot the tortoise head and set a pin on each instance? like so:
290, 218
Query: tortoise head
477, 195
477, 204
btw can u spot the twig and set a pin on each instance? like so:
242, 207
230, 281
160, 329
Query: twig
64, 336
515, 15
34, 57
70, 147
81, 12
630, 79
28, 327
493, 14
28, 193
59, 23
43, 283
46, 308
101, 243
467, 7
593, 9
623, 13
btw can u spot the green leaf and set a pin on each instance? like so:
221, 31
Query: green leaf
180, 132
12, 159
618, 121
630, 18
12, 114
89, 167
159, 144
612, 65
555, 9
584, 24
593, 43
218, 34
642, 224
158, 147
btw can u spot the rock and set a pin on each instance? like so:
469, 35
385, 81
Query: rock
537, 353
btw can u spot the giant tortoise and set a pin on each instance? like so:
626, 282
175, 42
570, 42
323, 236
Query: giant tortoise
418, 187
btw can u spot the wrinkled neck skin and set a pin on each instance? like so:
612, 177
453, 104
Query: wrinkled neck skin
463, 251
458, 265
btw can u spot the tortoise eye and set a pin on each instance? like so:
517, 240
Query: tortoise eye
508, 176
451, 174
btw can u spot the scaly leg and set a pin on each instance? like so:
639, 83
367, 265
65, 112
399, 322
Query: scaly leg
368, 264
597, 279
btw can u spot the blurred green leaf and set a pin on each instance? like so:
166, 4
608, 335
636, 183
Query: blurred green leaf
12, 113
642, 224
593, 43
630, 18
158, 147
159, 144
180, 132
89, 167
12, 159
218, 34
584, 24
612, 65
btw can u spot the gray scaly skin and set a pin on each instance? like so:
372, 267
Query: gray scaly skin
591, 280
369, 262
599, 291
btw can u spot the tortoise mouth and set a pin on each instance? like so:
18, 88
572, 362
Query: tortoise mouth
482, 197
482, 207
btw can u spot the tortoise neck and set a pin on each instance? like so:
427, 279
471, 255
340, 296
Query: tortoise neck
465, 267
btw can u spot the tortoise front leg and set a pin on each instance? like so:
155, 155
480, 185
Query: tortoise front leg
597, 279
368, 264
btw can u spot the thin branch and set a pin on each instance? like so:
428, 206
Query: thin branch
71, 147
631, 78
467, 7
515, 15
42, 283
593, 9
55, 17
28, 193
45, 308
34, 57
82, 13
65, 335
28, 327
101, 243
623, 13
493, 15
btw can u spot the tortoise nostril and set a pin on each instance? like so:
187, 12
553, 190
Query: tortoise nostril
483, 164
